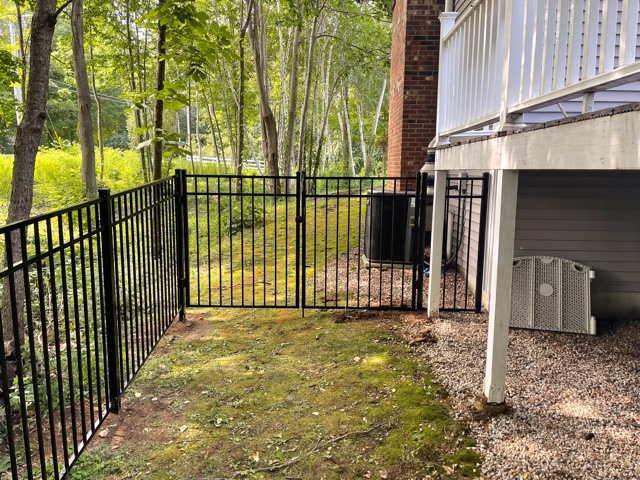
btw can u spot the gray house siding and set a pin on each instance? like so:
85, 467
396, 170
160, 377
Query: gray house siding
591, 218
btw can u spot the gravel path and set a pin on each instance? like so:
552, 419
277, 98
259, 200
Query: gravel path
574, 399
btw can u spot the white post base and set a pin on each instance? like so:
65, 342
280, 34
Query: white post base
502, 236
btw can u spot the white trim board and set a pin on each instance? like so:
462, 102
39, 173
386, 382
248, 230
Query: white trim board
604, 140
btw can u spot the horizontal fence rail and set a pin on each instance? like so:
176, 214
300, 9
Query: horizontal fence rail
502, 57
78, 319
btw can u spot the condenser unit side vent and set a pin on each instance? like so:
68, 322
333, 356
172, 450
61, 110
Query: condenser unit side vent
550, 293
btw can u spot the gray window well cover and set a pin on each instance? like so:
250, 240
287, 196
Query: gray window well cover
549, 293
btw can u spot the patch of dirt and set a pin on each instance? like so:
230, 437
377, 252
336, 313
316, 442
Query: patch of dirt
139, 422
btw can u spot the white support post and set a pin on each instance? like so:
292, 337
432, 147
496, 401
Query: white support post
588, 102
501, 272
437, 233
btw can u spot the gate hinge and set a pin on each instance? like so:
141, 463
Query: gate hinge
299, 218
182, 282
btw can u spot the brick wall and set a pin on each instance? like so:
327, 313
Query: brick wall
414, 83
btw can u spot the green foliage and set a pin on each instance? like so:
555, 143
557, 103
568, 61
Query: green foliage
58, 179
239, 215
8, 78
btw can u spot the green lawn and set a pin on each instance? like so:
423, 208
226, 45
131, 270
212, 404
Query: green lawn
267, 394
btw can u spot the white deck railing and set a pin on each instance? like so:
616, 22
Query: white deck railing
505, 57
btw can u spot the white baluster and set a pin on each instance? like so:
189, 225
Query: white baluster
560, 57
608, 36
512, 58
575, 41
590, 49
549, 46
629, 32
538, 47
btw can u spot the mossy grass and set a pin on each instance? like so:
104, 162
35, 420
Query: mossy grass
249, 389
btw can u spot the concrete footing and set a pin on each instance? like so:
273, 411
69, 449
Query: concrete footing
481, 404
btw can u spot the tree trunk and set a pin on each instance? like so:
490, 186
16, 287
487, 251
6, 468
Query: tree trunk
198, 142
159, 104
209, 106
347, 127
325, 123
268, 120
132, 82
307, 93
293, 99
98, 115
28, 138
241, 91
23, 53
363, 142
376, 118
85, 122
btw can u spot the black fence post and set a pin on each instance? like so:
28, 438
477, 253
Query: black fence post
482, 240
424, 184
302, 238
112, 334
180, 199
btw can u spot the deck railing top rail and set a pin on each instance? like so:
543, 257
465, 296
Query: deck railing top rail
503, 58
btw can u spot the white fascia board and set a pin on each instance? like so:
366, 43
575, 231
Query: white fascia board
606, 140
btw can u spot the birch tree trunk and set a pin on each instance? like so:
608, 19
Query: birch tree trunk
376, 118
241, 91
133, 86
347, 128
85, 122
363, 142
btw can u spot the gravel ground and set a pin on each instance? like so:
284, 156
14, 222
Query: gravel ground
364, 285
574, 400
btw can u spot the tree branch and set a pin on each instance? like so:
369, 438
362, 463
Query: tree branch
326, 35
62, 7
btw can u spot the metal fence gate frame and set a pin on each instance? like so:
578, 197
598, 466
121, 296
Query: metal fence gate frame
253, 226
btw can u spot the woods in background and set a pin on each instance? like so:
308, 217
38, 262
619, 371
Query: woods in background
298, 83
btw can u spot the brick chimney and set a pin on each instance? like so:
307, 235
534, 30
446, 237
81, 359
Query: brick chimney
413, 95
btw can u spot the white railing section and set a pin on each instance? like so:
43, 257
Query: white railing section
503, 57
250, 163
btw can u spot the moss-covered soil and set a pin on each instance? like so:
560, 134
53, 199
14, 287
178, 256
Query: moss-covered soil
266, 394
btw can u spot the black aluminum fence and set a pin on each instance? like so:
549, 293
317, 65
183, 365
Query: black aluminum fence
86, 292
363, 242
329, 242
242, 241
462, 266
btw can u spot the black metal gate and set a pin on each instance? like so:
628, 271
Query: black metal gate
325, 242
